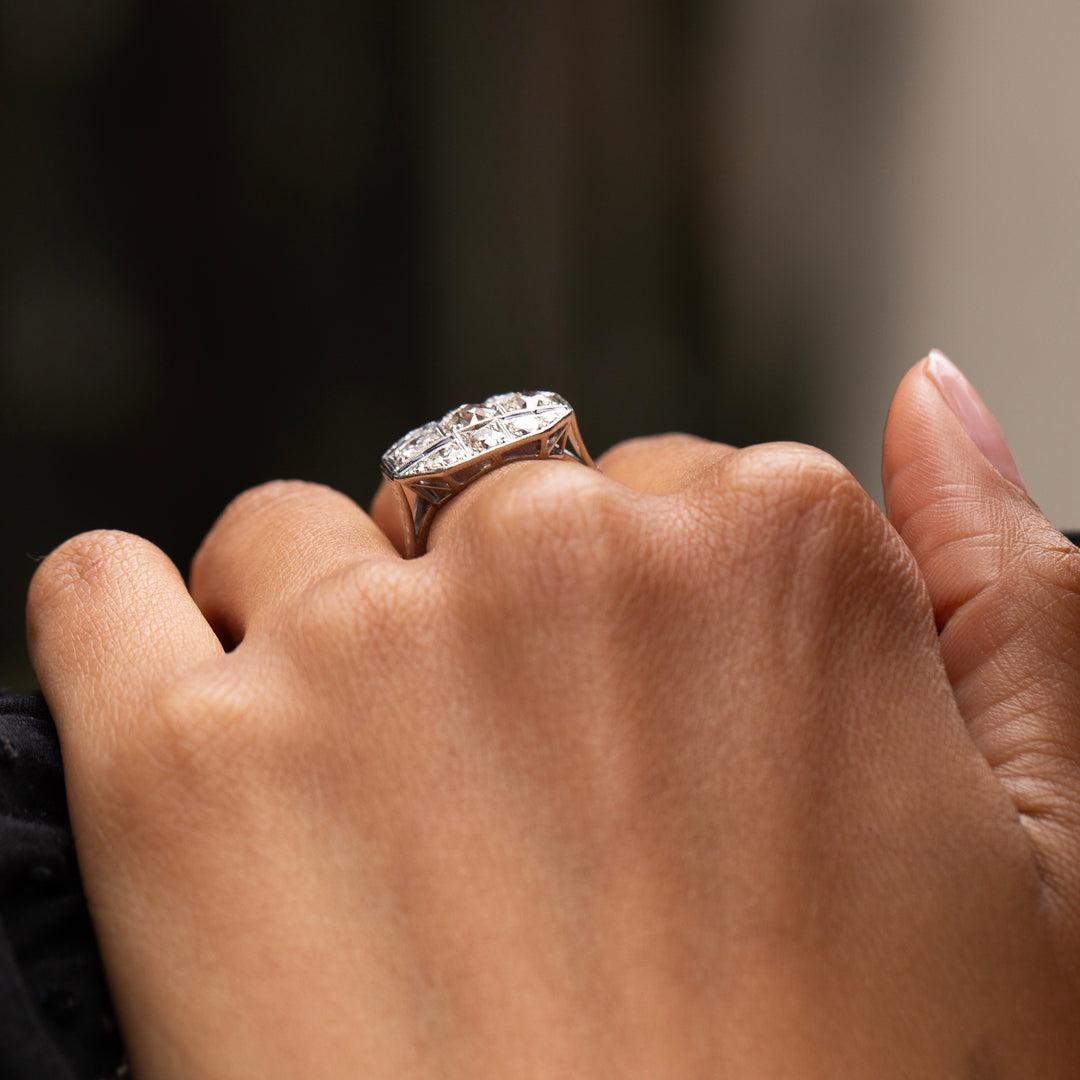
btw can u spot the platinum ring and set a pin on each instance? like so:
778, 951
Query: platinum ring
429, 466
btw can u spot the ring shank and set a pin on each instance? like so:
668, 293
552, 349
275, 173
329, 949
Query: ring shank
420, 497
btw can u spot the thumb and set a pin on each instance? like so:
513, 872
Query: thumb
1005, 587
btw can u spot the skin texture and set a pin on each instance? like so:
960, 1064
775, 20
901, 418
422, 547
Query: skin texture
695, 767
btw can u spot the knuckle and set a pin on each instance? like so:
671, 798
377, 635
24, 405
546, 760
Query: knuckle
267, 498
796, 482
202, 741
794, 530
362, 611
644, 448
561, 553
87, 562
245, 515
170, 758
274, 492
555, 520
794, 496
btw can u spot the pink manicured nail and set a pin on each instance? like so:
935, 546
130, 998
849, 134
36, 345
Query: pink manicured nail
970, 410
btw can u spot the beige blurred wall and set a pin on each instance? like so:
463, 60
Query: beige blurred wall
988, 195
906, 174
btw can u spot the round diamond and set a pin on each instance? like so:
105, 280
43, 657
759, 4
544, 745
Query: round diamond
506, 403
446, 455
530, 422
482, 439
525, 423
466, 416
412, 445
528, 402
470, 431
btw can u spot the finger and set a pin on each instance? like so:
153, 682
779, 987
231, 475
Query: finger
272, 543
109, 621
661, 464
386, 513
652, 465
526, 496
1005, 587
387, 509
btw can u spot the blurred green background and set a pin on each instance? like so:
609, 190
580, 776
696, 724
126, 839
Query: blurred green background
249, 239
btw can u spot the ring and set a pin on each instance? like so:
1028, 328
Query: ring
431, 464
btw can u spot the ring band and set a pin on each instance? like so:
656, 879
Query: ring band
430, 465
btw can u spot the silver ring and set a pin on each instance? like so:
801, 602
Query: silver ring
430, 465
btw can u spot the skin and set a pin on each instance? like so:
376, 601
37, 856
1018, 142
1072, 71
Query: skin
698, 766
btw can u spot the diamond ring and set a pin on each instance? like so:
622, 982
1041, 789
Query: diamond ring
430, 465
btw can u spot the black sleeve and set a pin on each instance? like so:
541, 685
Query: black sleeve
56, 1018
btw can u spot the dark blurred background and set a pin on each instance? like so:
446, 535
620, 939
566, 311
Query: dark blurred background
243, 239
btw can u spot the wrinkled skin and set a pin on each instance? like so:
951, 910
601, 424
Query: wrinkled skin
697, 766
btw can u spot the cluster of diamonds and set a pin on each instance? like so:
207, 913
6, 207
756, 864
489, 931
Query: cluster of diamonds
469, 431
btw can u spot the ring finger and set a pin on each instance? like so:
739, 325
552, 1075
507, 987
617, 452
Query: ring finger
653, 465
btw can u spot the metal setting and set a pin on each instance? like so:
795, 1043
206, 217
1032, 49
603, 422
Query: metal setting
430, 465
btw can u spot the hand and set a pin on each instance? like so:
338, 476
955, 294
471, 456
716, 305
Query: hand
664, 771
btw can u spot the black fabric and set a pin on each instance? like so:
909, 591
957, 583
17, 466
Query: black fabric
56, 1018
